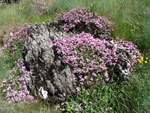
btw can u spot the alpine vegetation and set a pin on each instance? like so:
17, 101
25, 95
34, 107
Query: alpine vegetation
75, 56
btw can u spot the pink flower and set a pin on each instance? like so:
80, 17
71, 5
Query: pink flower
36, 101
88, 82
4, 90
9, 102
8, 88
4, 81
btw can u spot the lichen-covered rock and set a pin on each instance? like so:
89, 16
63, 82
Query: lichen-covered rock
48, 77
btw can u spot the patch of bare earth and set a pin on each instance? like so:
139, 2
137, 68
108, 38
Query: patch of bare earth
6, 32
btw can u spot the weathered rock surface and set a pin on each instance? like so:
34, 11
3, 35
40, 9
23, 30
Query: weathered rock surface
123, 66
48, 77
92, 29
1, 41
10, 1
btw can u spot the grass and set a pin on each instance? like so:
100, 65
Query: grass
131, 22
137, 95
4, 67
18, 14
25, 108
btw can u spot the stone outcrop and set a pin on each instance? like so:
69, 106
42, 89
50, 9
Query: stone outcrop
49, 78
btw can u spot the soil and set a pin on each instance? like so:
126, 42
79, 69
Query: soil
6, 32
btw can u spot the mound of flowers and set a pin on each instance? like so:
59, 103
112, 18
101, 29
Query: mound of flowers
91, 57
14, 88
82, 15
82, 20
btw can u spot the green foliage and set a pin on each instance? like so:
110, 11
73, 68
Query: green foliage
26, 9
137, 93
14, 54
127, 97
100, 98
25, 108
4, 66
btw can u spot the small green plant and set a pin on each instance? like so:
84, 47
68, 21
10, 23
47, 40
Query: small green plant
15, 45
92, 7
101, 98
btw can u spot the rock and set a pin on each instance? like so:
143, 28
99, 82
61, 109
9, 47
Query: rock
92, 29
1, 41
49, 78
123, 66
10, 1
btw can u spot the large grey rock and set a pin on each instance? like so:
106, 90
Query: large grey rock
48, 77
